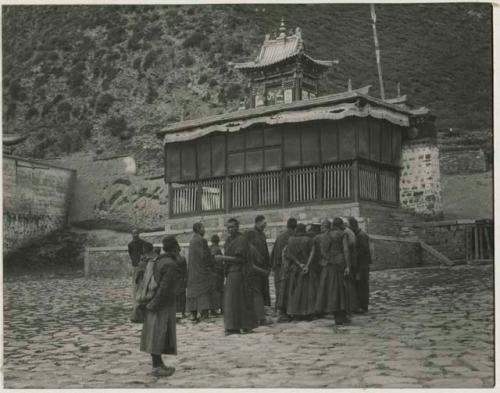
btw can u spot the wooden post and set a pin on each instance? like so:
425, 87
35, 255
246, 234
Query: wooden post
319, 183
355, 181
466, 243
227, 194
284, 189
199, 192
379, 186
255, 193
481, 251
170, 200
488, 244
476, 242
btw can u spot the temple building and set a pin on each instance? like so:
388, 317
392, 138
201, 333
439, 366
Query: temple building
295, 151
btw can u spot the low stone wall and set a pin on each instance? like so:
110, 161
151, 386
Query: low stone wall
394, 253
447, 237
462, 160
387, 253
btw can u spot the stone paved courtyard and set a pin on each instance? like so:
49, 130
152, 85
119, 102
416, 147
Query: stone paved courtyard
427, 327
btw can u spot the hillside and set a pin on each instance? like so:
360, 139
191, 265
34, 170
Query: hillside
104, 78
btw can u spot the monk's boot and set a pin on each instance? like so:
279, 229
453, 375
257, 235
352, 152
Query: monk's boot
161, 372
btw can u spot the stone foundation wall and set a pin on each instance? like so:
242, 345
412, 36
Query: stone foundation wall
420, 180
387, 253
36, 199
109, 194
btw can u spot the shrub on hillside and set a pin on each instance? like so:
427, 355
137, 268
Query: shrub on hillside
150, 58
64, 110
70, 142
76, 78
31, 113
85, 130
115, 36
116, 125
103, 103
233, 92
194, 40
16, 91
186, 61
152, 94
203, 78
153, 33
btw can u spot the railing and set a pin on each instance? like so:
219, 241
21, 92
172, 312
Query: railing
192, 197
337, 181
302, 184
331, 182
378, 185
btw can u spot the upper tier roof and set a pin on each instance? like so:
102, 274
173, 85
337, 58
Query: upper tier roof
281, 48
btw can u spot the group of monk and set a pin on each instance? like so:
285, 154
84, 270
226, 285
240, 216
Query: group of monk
319, 272
323, 269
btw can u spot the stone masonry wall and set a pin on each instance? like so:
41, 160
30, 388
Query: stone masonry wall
36, 198
109, 194
448, 237
455, 161
420, 183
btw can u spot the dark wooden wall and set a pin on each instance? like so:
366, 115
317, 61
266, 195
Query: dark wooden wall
274, 148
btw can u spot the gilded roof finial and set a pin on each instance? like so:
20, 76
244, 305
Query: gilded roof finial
282, 29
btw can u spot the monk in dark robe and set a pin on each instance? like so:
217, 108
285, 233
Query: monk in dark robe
332, 296
259, 254
181, 284
201, 282
351, 278
280, 279
364, 259
303, 279
219, 269
239, 306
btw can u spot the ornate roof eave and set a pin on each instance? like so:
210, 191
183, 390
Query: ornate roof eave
253, 66
237, 118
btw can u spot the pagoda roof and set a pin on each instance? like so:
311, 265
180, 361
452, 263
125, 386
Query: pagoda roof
355, 103
283, 47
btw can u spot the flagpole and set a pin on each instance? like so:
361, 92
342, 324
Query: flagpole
377, 51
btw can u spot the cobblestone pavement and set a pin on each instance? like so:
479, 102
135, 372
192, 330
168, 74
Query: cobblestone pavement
427, 327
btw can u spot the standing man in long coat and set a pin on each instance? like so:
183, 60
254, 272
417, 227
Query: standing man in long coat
159, 329
239, 306
364, 259
260, 258
201, 279
277, 265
